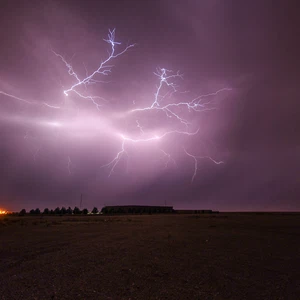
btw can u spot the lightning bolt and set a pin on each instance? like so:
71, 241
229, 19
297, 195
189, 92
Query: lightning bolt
119, 155
16, 98
169, 158
199, 104
176, 112
51, 106
69, 165
103, 69
140, 127
157, 137
116, 159
195, 158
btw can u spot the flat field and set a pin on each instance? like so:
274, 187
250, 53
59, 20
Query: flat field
222, 256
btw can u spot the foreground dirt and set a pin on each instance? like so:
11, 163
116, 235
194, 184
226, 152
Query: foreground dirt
224, 256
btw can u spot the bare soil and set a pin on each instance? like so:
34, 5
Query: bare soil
223, 256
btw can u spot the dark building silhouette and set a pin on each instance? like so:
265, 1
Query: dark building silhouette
137, 209
149, 209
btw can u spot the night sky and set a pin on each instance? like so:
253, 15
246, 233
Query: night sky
54, 147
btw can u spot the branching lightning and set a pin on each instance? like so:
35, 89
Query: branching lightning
116, 159
169, 158
195, 158
199, 104
140, 127
176, 112
103, 69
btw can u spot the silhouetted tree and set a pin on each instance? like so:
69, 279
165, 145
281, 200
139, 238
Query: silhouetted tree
63, 211
51, 212
22, 212
37, 211
46, 211
69, 210
95, 210
57, 211
85, 211
76, 211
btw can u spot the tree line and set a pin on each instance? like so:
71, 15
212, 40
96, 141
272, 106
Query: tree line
59, 211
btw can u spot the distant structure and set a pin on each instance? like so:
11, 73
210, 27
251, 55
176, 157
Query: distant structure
137, 209
149, 209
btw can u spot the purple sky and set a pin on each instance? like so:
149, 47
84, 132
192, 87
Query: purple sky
50, 156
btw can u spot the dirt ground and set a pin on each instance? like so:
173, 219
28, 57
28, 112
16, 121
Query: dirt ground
222, 256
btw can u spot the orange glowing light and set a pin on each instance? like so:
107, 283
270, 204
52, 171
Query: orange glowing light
3, 212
